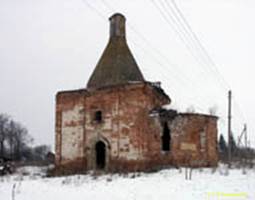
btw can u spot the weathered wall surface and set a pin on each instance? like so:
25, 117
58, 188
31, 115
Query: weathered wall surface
132, 136
72, 133
70, 128
125, 126
194, 140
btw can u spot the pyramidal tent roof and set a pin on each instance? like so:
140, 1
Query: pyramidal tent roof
117, 64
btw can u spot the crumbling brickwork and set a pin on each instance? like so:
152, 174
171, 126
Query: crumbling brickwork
124, 126
131, 134
194, 140
118, 122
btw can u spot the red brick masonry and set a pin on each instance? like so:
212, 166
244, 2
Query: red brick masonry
131, 129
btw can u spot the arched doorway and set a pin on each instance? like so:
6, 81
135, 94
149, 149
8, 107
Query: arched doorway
100, 155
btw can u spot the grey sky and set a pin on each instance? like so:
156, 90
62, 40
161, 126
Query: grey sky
52, 45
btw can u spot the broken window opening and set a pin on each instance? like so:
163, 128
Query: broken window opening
98, 116
166, 138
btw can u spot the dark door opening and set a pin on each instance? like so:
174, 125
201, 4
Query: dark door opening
166, 138
100, 155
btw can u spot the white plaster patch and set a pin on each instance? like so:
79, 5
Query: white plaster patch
128, 151
188, 146
72, 115
122, 125
107, 123
72, 135
72, 142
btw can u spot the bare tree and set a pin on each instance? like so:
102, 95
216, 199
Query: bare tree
22, 139
213, 110
10, 137
18, 139
4, 119
14, 138
191, 109
40, 152
15, 142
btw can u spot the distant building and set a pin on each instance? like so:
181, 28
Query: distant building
118, 124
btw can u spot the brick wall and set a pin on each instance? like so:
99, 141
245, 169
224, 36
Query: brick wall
131, 135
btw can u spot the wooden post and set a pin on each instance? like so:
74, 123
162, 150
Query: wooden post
229, 127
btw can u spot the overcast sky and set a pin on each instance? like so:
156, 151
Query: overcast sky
52, 45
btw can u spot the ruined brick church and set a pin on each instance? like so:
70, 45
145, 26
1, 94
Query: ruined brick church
118, 123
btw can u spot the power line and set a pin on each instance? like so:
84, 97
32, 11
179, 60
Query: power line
195, 37
177, 20
94, 9
186, 30
146, 41
205, 74
133, 28
158, 62
175, 29
184, 35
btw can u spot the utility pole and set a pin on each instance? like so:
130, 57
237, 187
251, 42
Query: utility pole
246, 144
243, 155
229, 127
245, 136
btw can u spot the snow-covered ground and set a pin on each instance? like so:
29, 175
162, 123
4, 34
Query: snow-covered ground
28, 184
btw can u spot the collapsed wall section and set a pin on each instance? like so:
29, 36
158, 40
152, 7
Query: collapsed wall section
194, 139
